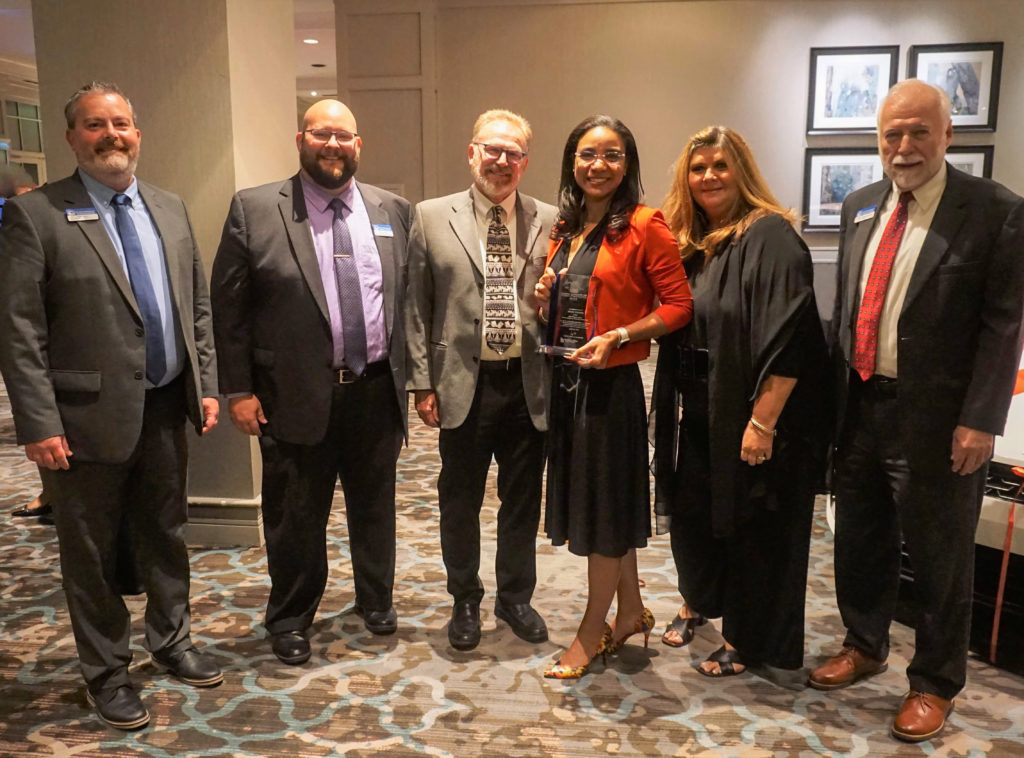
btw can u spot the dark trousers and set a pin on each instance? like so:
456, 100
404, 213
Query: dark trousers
498, 425
881, 501
361, 448
140, 506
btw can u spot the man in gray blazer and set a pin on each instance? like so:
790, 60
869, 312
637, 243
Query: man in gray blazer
928, 328
105, 347
307, 301
474, 258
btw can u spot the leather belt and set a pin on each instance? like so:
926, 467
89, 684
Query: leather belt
878, 386
509, 364
347, 376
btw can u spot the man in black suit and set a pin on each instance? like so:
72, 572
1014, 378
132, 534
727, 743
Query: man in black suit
307, 298
105, 347
927, 337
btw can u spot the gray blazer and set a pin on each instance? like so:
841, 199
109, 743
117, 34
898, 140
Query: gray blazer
445, 302
962, 321
271, 320
72, 346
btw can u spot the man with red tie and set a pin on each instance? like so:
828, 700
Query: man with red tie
927, 335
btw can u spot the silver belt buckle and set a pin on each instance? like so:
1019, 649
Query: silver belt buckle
346, 376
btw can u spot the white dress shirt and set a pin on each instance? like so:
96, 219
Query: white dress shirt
920, 213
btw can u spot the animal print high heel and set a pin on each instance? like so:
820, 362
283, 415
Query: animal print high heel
559, 670
644, 624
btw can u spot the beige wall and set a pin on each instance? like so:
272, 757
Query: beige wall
212, 82
665, 68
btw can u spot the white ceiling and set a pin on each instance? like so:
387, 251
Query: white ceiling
314, 19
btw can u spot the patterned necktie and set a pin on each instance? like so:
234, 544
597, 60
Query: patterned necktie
142, 288
499, 288
350, 296
866, 336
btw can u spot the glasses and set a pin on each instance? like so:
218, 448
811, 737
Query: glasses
494, 152
611, 158
324, 135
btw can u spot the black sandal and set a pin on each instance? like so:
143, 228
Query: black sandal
685, 627
726, 660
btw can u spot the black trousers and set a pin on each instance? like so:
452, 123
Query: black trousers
361, 448
498, 425
138, 505
881, 501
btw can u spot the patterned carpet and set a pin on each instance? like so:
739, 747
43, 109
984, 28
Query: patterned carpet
411, 694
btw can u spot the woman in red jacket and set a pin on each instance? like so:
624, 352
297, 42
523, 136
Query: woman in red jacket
614, 257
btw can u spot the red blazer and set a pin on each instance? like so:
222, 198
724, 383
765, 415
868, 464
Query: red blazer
643, 264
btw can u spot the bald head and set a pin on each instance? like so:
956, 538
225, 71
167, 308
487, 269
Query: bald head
329, 145
914, 130
334, 111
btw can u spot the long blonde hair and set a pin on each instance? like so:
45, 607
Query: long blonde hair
688, 221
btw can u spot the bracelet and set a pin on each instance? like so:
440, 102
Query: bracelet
542, 316
761, 427
623, 336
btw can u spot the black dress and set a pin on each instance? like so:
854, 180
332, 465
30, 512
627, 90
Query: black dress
741, 534
598, 489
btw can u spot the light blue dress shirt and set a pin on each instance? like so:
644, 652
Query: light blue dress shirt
156, 264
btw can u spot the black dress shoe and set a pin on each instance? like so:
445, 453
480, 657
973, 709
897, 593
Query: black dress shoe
121, 708
191, 667
25, 512
464, 628
290, 647
524, 620
379, 622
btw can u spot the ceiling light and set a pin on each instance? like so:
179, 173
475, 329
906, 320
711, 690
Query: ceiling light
313, 92
311, 41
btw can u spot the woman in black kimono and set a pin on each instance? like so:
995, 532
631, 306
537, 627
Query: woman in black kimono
737, 473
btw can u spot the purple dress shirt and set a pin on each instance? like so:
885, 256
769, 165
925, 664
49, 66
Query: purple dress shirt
364, 247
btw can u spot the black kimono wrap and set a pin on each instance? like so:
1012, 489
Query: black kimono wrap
740, 533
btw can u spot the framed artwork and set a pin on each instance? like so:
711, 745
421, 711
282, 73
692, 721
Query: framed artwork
969, 73
830, 174
847, 85
976, 160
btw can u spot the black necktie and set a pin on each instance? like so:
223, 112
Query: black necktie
350, 296
142, 287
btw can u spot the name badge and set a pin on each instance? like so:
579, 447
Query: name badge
75, 215
865, 213
382, 230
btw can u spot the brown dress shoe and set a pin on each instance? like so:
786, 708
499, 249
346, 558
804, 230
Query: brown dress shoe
921, 717
845, 668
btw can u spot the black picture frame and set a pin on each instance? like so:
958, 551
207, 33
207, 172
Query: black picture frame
969, 72
976, 160
830, 174
847, 86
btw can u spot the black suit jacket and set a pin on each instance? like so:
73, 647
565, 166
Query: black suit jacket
72, 346
271, 321
960, 330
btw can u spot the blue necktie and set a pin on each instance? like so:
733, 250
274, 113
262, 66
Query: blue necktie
350, 295
142, 287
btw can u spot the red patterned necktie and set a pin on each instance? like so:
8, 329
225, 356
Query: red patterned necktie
866, 337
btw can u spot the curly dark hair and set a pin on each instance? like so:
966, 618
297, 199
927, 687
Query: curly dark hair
570, 196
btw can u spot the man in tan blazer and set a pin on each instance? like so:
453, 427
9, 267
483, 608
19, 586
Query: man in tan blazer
480, 379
